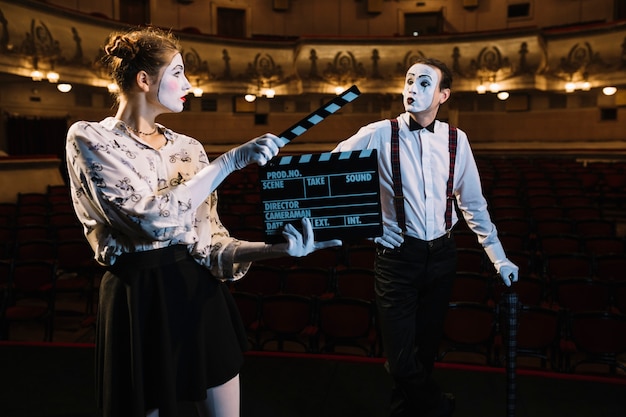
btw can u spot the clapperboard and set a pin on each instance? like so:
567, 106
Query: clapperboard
339, 192
321, 113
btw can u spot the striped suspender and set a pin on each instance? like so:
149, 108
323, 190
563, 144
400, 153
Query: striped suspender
398, 197
449, 194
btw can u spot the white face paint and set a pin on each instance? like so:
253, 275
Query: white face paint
174, 86
422, 82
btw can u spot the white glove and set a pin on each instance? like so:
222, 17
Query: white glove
299, 245
507, 270
259, 150
391, 238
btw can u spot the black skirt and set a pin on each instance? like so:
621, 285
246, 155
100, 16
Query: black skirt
166, 331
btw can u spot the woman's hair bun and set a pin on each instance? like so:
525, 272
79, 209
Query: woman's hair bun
121, 46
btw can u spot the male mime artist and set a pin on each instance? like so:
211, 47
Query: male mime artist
425, 165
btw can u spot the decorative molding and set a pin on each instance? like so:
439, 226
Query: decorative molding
524, 59
195, 66
407, 61
263, 71
344, 70
489, 64
578, 62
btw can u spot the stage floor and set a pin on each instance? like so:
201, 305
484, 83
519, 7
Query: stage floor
57, 380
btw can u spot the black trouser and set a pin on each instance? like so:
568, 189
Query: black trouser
413, 286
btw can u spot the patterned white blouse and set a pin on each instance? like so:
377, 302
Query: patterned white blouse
131, 197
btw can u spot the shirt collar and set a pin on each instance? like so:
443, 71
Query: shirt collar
413, 125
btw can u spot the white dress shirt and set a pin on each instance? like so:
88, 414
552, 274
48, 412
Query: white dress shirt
424, 162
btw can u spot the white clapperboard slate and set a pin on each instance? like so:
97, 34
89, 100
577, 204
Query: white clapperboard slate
339, 192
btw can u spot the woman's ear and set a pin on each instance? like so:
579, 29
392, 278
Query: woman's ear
143, 81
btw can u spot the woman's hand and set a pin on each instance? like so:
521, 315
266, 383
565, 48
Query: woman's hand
298, 245
259, 150
301, 244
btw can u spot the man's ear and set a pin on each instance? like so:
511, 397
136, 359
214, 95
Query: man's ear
444, 95
143, 81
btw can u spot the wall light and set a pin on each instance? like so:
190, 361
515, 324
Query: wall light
36, 75
339, 89
570, 87
53, 76
249, 98
503, 95
494, 87
64, 88
113, 88
481, 89
609, 91
270, 93
197, 91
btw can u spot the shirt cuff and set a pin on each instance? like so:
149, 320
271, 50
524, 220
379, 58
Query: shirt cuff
225, 267
496, 254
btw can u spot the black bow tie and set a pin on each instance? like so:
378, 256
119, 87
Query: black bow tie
413, 125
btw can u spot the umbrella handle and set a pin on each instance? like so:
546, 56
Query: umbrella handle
511, 309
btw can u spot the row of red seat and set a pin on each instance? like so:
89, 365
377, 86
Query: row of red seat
557, 340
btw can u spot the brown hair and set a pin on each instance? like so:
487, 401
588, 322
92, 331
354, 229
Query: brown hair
142, 49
